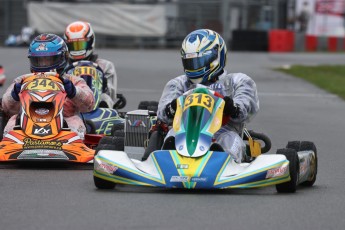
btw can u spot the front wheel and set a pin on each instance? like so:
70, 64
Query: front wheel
103, 184
110, 143
292, 157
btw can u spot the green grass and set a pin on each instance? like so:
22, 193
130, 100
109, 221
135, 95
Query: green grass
328, 77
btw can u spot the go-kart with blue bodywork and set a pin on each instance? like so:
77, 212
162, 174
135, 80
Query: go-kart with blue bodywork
101, 119
192, 160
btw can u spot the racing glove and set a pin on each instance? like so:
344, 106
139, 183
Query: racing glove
15, 91
170, 109
230, 109
69, 88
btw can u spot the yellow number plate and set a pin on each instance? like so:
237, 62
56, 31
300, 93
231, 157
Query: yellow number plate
42, 84
85, 70
199, 99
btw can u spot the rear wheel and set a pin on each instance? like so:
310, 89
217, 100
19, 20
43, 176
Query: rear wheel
292, 157
118, 130
305, 146
148, 105
103, 184
294, 145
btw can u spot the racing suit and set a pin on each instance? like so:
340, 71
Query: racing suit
82, 102
240, 87
109, 96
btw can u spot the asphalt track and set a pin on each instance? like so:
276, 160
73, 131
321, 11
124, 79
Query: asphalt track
291, 109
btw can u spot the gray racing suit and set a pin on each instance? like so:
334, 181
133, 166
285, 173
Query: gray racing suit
110, 74
240, 87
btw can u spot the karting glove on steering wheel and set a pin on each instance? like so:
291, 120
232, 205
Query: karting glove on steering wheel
69, 88
15, 91
230, 109
170, 109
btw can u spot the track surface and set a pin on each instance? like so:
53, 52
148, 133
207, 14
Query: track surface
291, 109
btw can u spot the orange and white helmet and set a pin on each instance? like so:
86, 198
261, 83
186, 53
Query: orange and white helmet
80, 39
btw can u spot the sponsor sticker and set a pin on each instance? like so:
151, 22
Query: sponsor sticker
137, 123
42, 47
179, 179
182, 166
41, 131
41, 144
107, 167
280, 171
191, 55
198, 179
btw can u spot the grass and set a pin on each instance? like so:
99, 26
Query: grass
328, 77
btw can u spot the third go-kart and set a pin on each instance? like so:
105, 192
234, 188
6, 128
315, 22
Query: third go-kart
100, 120
41, 134
192, 160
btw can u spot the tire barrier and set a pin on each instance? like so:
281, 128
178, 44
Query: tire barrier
249, 40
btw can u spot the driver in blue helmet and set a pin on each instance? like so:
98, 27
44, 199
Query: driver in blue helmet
204, 57
49, 53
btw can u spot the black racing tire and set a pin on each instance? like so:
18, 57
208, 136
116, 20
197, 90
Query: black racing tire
308, 145
155, 143
111, 143
303, 146
292, 157
148, 105
103, 184
294, 145
118, 130
121, 102
143, 105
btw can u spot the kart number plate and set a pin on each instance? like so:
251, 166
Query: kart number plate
199, 99
42, 84
85, 70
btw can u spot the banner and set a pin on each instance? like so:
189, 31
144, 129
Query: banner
106, 18
321, 17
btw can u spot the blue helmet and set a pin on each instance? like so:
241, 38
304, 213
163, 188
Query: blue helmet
48, 52
203, 55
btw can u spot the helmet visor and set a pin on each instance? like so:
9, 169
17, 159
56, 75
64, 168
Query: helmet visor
45, 61
195, 62
77, 45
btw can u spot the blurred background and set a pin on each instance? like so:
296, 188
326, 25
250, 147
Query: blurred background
253, 25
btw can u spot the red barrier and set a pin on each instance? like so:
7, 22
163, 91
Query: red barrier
281, 41
310, 43
332, 44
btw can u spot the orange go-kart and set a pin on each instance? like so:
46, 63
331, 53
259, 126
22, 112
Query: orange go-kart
41, 134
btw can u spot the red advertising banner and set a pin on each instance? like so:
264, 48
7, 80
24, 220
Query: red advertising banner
320, 17
330, 7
